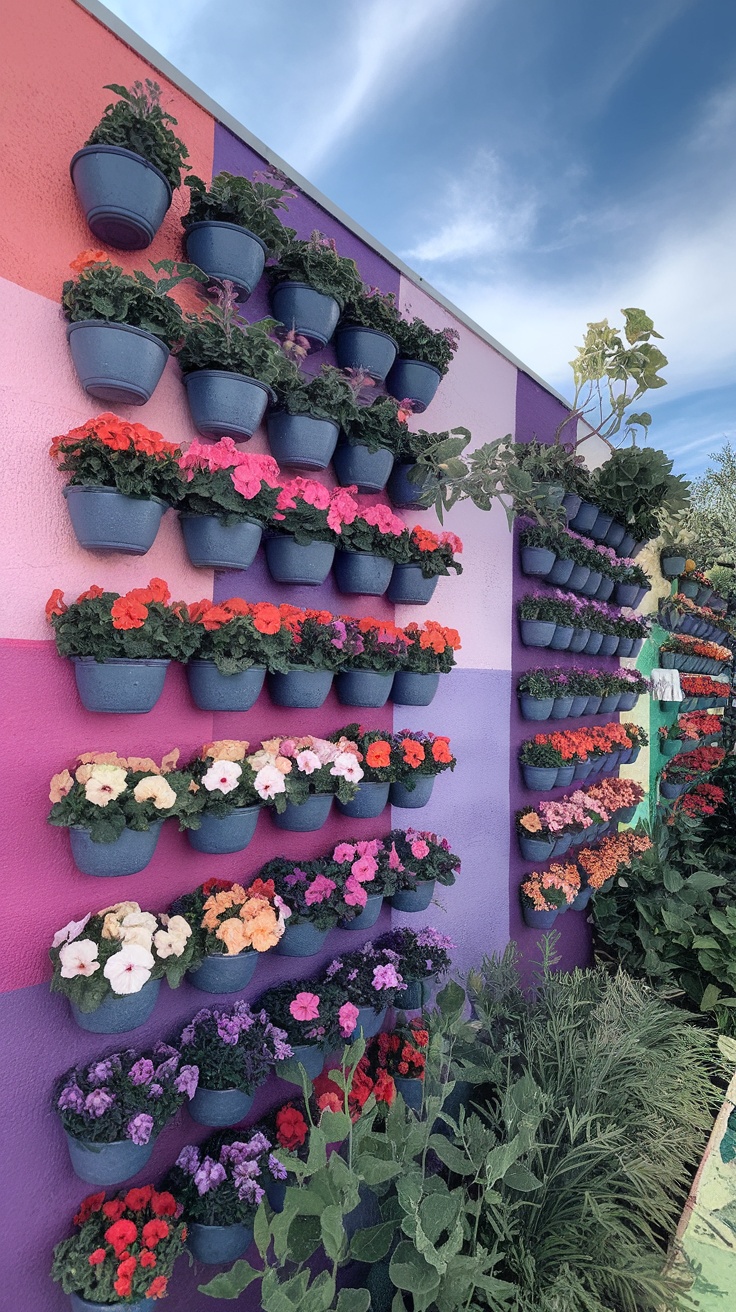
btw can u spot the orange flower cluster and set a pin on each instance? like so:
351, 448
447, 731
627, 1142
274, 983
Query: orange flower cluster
117, 435
549, 889
129, 611
266, 617
601, 863
433, 636
580, 744
244, 918
684, 642
701, 685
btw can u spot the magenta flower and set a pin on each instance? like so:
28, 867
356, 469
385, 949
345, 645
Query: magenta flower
320, 889
386, 977
305, 1006
354, 895
364, 869
343, 852
348, 1018
419, 849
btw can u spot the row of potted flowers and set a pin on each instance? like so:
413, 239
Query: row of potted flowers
678, 776
558, 693
696, 729
680, 615
122, 645
697, 587
228, 498
547, 894
566, 559
555, 760
693, 655
596, 523
562, 622
702, 693
551, 828
114, 807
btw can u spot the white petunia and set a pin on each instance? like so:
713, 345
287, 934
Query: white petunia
129, 969
222, 776
79, 958
307, 762
268, 782
347, 767
105, 783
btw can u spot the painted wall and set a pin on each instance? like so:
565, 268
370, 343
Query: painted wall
57, 60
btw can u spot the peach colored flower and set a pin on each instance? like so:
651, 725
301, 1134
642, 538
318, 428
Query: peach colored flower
265, 929
106, 782
61, 784
227, 749
154, 788
140, 765
232, 933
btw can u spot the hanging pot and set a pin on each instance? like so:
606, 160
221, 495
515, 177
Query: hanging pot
219, 1107
355, 464
592, 583
615, 535
225, 404
116, 362
230, 833
672, 565
539, 778
564, 775
415, 381
560, 571
585, 518
79, 1304
535, 849
301, 441
124, 197
307, 816
580, 902
366, 350
579, 640
579, 706
117, 1015
410, 587
412, 1091
305, 311
624, 646
536, 562
562, 708
369, 801
213, 1244
367, 688
410, 688
303, 940
369, 1021
605, 589
227, 253
601, 526
222, 973
402, 491
609, 643
108, 1163
572, 503
126, 855
579, 576
414, 899
213, 544
535, 708
119, 685
362, 572
538, 919
415, 994
309, 1055
412, 798
537, 633
367, 918
626, 594
562, 637
290, 562
304, 688
213, 691
626, 547
104, 519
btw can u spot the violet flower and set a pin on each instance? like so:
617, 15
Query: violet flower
98, 1102
139, 1129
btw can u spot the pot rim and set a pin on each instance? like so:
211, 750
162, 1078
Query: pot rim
224, 223
245, 519
119, 327
119, 150
124, 660
291, 282
229, 373
409, 359
302, 414
101, 487
362, 328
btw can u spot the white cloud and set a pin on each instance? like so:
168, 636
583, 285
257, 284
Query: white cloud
478, 215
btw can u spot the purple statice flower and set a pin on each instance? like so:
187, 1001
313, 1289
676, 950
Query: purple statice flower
139, 1129
155, 1091
209, 1175
333, 968
101, 1071
386, 977
188, 1159
187, 1080
98, 1102
277, 1168
245, 1016
71, 1099
257, 1144
167, 1069
142, 1072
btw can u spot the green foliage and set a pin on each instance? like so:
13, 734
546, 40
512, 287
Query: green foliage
251, 205
636, 484
87, 628
417, 341
370, 309
316, 261
614, 367
376, 426
137, 122
143, 468
326, 395
219, 338
553, 462
713, 519
490, 473
104, 292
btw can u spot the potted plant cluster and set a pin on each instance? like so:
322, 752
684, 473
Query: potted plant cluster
126, 172
304, 424
695, 585
123, 478
122, 326
370, 544
599, 865
229, 790
113, 1110
402, 1054
679, 614
366, 337
114, 808
316, 1016
555, 760
230, 367
422, 958
235, 1051
556, 693
304, 530
371, 437
231, 926
375, 651
553, 553
318, 647
410, 485
220, 1185
680, 774
424, 557
371, 980
310, 286
551, 828
701, 693
697, 729
324, 893
693, 655
124, 1253
228, 497
412, 862
235, 643
544, 894
408, 762
564, 622
120, 646
629, 490
429, 655
110, 965
424, 357
232, 228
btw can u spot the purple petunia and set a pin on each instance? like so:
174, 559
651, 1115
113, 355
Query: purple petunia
386, 977
71, 1099
209, 1175
141, 1072
188, 1159
187, 1080
139, 1129
277, 1168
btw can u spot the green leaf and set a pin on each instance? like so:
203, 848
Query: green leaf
710, 998
261, 1231
450, 1156
438, 1212
408, 1270
320, 1294
230, 1284
451, 1001
372, 1244
727, 1048
376, 1171
335, 1125
305, 1237
333, 1232
353, 1300
520, 1177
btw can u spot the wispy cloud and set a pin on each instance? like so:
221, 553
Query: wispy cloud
480, 214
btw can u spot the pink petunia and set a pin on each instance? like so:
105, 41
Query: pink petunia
348, 1018
364, 869
305, 1006
343, 852
320, 889
355, 895
419, 849
386, 977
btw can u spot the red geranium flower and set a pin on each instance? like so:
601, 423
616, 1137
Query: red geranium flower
91, 1204
137, 1199
164, 1204
153, 1231
120, 1234
114, 1209
98, 1256
157, 1287
291, 1128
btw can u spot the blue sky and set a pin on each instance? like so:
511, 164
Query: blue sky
542, 164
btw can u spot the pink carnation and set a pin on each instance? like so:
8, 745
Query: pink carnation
368, 847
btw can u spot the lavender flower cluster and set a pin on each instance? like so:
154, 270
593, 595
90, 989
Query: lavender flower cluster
220, 1183
234, 1048
127, 1095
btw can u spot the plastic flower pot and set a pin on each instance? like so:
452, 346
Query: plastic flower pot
539, 919
572, 503
415, 381
625, 594
579, 707
79, 1304
117, 1015
290, 562
410, 587
307, 816
581, 770
667, 659
369, 801
403, 493
624, 646
535, 849
615, 535
609, 643
565, 775
535, 708
410, 688
276, 1190
592, 583
362, 572
363, 687
605, 589
412, 798
637, 646
539, 778
414, 899
537, 633
369, 1021
601, 526
670, 790
585, 518
309, 1055
303, 940
301, 440
579, 576
119, 686
563, 843
412, 1091
579, 639
222, 973
227, 252
626, 545
672, 565
560, 571
116, 362
224, 404
688, 588
537, 561
583, 898
300, 688
212, 544
368, 470
124, 197
127, 855
593, 645
213, 1244
368, 916
562, 637
609, 704
219, 1107
305, 311
213, 691
104, 519
229, 833
562, 708
108, 1163
414, 995
626, 814
704, 596
365, 349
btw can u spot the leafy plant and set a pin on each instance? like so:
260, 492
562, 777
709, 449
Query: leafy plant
104, 293
236, 635
233, 1048
417, 341
614, 367
316, 262
491, 472
220, 338
126, 1095
635, 484
234, 485
372, 309
108, 793
327, 395
138, 122
112, 452
221, 1181
380, 425
142, 624
251, 205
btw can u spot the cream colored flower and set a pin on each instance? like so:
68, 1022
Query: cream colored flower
120, 909
222, 776
168, 762
111, 928
171, 942
60, 785
138, 927
83, 773
79, 958
129, 969
138, 935
154, 788
105, 783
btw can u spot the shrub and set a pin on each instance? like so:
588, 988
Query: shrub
104, 293
142, 624
137, 122
316, 261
